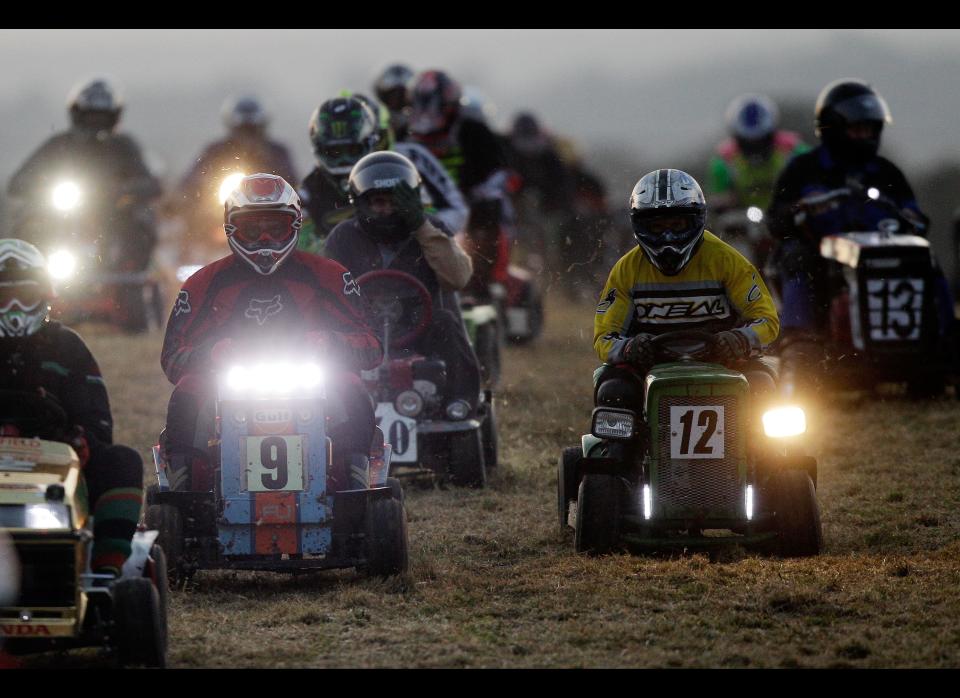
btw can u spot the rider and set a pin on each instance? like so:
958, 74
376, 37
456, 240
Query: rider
746, 165
263, 291
343, 130
110, 168
391, 89
679, 277
43, 357
391, 231
850, 115
473, 156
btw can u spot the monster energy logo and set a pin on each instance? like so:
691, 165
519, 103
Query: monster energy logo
339, 129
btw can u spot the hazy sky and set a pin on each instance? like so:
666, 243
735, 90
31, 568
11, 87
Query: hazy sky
666, 82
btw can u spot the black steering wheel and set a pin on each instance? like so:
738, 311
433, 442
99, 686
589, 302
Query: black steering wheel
34, 413
398, 302
683, 345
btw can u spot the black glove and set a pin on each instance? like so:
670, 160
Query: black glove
730, 346
639, 352
409, 207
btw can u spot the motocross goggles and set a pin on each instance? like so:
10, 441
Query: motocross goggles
26, 293
668, 236
263, 230
340, 158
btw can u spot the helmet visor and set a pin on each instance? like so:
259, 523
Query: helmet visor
864, 107
267, 230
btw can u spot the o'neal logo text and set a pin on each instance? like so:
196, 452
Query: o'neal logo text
681, 309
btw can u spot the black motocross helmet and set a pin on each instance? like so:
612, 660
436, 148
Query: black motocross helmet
668, 195
381, 172
842, 104
342, 131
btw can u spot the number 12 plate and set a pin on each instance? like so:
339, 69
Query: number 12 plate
696, 432
274, 463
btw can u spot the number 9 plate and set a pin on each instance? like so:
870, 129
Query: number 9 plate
274, 463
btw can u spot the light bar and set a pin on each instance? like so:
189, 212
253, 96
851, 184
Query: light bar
782, 422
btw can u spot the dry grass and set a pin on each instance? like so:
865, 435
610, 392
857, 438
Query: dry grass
493, 583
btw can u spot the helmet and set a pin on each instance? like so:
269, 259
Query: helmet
262, 219
659, 196
25, 289
342, 130
382, 115
434, 103
752, 120
391, 87
381, 172
94, 106
475, 105
244, 112
842, 104
527, 136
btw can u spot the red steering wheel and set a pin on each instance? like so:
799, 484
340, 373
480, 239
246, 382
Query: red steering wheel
398, 300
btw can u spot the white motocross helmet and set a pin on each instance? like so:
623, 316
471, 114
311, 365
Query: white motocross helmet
262, 218
25, 289
672, 195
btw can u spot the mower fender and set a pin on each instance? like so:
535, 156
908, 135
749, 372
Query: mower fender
589, 443
808, 464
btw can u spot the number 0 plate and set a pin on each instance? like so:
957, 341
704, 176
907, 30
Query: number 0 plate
696, 431
398, 431
274, 463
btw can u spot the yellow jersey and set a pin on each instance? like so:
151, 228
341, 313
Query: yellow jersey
717, 290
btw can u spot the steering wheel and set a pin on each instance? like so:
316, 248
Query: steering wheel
33, 412
398, 301
661, 344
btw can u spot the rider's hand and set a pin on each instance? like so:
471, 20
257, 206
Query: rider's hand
409, 207
731, 346
77, 438
639, 351
222, 351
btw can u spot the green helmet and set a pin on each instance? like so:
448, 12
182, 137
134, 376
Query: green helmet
342, 131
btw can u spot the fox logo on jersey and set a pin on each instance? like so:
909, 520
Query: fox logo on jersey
260, 310
350, 285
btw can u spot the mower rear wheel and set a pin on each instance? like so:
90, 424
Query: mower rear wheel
800, 533
386, 538
466, 459
567, 482
139, 626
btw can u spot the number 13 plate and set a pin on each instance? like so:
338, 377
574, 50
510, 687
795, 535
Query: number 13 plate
696, 431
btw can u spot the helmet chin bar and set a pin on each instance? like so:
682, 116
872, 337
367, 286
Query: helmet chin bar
22, 322
278, 255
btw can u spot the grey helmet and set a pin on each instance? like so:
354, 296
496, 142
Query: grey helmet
663, 194
95, 105
247, 111
25, 289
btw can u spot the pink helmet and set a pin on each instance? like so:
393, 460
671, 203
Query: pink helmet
262, 219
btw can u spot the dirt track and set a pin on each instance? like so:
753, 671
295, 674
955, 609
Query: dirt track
493, 583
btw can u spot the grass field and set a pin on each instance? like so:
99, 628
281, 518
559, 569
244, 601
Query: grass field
494, 583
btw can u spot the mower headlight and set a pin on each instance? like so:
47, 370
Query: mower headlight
409, 403
611, 423
62, 265
36, 517
754, 214
66, 196
781, 422
458, 409
278, 378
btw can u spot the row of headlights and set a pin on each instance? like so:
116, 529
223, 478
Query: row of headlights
274, 378
410, 403
619, 425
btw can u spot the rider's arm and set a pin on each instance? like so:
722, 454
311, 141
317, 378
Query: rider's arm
30, 175
84, 397
354, 344
614, 314
451, 207
752, 300
135, 177
787, 191
447, 259
189, 338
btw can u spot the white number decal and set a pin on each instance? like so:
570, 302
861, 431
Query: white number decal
696, 432
274, 463
895, 307
399, 431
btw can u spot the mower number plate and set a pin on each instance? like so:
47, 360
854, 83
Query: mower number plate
895, 309
696, 431
274, 463
398, 431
